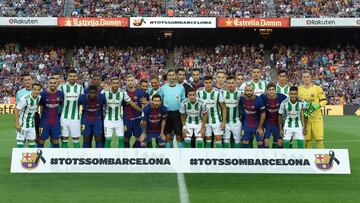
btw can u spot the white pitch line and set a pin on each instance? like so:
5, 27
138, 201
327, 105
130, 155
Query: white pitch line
183, 193
342, 141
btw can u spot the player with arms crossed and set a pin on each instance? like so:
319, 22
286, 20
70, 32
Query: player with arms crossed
51, 101
315, 98
70, 115
294, 126
272, 101
215, 103
153, 122
91, 117
113, 122
24, 116
253, 110
233, 123
193, 118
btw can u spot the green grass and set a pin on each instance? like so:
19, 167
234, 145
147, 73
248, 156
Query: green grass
340, 132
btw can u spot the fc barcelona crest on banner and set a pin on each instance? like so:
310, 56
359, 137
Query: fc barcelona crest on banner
325, 161
30, 160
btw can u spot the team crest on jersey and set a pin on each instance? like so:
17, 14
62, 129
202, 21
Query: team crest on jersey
30, 160
312, 95
177, 97
325, 162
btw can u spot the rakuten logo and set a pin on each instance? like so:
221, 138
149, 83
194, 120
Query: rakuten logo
320, 22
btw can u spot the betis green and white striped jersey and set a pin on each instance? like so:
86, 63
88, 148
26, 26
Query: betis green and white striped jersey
212, 101
192, 111
259, 87
27, 107
152, 92
283, 90
232, 110
114, 102
292, 113
71, 108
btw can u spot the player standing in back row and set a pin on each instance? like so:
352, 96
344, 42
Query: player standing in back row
70, 115
258, 84
215, 103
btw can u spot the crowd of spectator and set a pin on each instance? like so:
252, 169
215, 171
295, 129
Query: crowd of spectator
335, 69
182, 8
118, 8
31, 8
317, 8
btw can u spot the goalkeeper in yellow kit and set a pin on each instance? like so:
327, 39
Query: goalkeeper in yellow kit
315, 98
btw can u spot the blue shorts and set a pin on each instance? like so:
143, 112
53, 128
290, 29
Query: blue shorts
157, 136
95, 128
52, 131
132, 127
272, 130
249, 133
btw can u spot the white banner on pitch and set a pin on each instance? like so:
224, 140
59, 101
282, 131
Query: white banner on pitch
286, 161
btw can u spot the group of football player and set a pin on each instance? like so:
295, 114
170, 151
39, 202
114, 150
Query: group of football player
223, 111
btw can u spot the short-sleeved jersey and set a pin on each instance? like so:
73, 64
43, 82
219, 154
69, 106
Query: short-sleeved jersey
272, 108
92, 108
129, 112
70, 109
292, 113
212, 101
21, 93
152, 92
314, 94
283, 90
51, 105
114, 101
27, 107
252, 110
193, 111
259, 87
172, 96
154, 116
232, 108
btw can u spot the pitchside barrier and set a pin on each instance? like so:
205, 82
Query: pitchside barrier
281, 161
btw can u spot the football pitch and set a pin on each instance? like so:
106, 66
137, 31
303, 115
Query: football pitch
340, 132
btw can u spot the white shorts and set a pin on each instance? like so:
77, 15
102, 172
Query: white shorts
193, 130
295, 133
112, 127
235, 129
70, 128
26, 134
213, 128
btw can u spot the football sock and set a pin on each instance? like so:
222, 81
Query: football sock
218, 144
207, 143
20, 144
31, 144
180, 144
300, 144
226, 143
99, 144
64, 143
274, 145
76, 143
108, 142
319, 144
40, 145
121, 143
199, 143
245, 145
290, 145
168, 144
55, 145
187, 142
286, 144
236, 145
308, 144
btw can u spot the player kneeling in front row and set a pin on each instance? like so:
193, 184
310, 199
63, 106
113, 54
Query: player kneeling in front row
193, 118
294, 126
24, 117
91, 117
153, 122
51, 101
